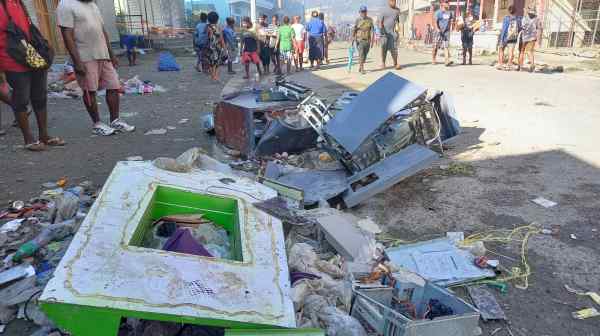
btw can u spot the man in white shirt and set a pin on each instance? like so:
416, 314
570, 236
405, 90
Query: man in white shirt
86, 40
299, 41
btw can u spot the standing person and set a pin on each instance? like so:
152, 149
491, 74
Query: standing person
29, 86
249, 47
285, 36
316, 40
4, 97
200, 39
299, 40
263, 37
273, 30
443, 20
326, 40
466, 36
529, 36
88, 45
215, 46
428, 34
511, 26
130, 42
390, 17
362, 34
231, 43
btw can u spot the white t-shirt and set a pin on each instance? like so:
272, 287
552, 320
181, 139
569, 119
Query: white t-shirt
299, 31
88, 27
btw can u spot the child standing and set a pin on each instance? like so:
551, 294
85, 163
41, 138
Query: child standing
249, 47
286, 33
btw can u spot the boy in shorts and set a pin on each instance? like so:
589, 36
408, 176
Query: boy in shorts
285, 35
249, 49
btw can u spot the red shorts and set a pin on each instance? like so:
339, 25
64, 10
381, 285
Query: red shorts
299, 47
250, 57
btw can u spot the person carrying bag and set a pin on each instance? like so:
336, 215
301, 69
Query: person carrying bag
25, 57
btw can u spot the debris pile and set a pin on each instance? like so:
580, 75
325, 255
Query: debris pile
62, 83
34, 236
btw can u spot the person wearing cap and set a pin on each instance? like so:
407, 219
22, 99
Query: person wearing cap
442, 22
390, 17
362, 34
529, 36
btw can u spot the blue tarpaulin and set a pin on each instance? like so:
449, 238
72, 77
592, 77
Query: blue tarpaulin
167, 62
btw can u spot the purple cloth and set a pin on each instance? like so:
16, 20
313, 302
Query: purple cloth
297, 276
182, 241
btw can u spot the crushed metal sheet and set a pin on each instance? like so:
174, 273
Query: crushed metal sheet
486, 303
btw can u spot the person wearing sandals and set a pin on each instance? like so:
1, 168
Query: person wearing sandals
442, 22
29, 86
362, 35
509, 36
88, 45
390, 17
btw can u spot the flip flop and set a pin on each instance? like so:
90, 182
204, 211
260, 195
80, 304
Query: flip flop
36, 147
55, 142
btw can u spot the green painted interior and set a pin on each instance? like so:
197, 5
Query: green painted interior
92, 321
165, 201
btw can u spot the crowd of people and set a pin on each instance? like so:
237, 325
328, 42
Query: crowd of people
268, 45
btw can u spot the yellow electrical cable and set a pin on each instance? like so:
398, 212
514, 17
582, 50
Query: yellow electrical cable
520, 234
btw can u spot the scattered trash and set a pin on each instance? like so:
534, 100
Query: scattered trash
16, 273
573, 236
593, 295
544, 202
156, 131
486, 303
11, 226
585, 313
135, 158
171, 128
344, 234
183, 121
439, 261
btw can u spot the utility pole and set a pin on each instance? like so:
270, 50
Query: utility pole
253, 11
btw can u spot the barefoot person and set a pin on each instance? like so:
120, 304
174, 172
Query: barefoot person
231, 43
529, 36
29, 86
511, 26
249, 47
87, 43
443, 20
316, 40
390, 17
285, 35
215, 47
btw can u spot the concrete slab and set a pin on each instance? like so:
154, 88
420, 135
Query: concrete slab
343, 233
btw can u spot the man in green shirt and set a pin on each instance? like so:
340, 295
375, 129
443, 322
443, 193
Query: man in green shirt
285, 35
363, 36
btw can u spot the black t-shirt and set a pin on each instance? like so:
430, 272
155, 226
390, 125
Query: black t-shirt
250, 42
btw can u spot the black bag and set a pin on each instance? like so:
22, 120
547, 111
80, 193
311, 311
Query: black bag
35, 53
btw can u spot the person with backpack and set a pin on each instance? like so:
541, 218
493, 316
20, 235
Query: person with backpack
200, 39
509, 36
27, 77
529, 37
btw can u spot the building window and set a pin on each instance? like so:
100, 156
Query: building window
503, 4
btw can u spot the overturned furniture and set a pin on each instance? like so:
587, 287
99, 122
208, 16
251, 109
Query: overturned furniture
243, 116
383, 134
106, 274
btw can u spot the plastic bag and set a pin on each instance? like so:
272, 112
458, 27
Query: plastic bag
214, 238
183, 164
67, 204
335, 321
302, 258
